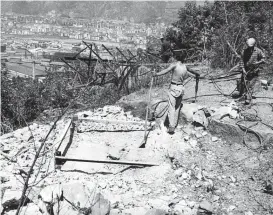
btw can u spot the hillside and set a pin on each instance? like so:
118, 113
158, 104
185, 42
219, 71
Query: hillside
138, 11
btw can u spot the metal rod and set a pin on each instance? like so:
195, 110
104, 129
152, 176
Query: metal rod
71, 67
72, 129
108, 51
89, 62
67, 126
97, 56
131, 163
122, 53
130, 53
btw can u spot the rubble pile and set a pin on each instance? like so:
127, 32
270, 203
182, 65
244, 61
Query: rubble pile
18, 150
202, 115
109, 118
195, 173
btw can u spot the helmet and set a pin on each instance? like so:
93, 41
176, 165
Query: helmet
251, 42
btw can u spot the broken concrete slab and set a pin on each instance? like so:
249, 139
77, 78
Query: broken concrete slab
74, 196
188, 110
100, 205
199, 118
231, 133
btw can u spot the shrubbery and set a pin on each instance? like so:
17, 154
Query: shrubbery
202, 32
23, 99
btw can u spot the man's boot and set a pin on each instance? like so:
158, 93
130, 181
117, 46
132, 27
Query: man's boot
171, 130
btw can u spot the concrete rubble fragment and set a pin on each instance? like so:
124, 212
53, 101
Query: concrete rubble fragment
74, 196
109, 118
200, 118
205, 207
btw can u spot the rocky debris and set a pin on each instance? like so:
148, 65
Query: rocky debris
160, 203
205, 208
199, 118
136, 190
182, 208
214, 139
188, 110
268, 188
77, 197
109, 118
231, 110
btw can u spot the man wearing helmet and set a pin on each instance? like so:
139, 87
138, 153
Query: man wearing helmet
252, 58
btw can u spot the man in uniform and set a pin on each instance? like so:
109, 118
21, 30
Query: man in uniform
252, 58
180, 72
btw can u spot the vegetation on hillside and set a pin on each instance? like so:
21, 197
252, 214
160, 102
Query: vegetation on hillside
202, 32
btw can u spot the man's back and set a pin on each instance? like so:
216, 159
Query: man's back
180, 73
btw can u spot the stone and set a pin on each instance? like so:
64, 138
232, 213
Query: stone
191, 204
184, 175
188, 110
101, 206
156, 212
264, 82
182, 208
205, 205
80, 194
186, 138
135, 211
200, 118
198, 135
114, 212
204, 133
248, 213
214, 139
159, 204
215, 198
27, 136
11, 199
232, 179
178, 172
114, 153
221, 112
231, 208
233, 114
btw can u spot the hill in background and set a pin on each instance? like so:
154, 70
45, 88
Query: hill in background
146, 12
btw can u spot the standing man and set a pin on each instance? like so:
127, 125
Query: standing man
180, 72
166, 50
252, 58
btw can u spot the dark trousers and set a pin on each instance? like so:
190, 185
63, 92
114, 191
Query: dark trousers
247, 85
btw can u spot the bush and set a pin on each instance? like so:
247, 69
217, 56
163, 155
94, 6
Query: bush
22, 99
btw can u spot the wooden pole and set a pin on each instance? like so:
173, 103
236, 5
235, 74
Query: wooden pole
33, 70
131, 163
